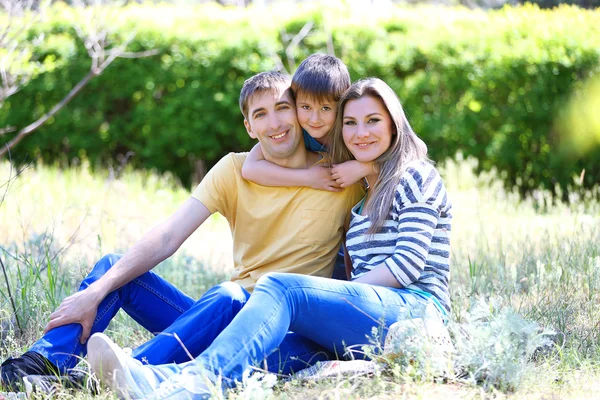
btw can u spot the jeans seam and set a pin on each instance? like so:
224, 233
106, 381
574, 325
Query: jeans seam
260, 330
158, 294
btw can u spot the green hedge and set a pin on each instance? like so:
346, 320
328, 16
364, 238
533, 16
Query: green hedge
491, 85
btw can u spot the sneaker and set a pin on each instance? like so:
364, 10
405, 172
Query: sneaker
50, 384
13, 370
185, 385
125, 375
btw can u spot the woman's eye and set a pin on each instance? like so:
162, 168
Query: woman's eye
349, 123
374, 120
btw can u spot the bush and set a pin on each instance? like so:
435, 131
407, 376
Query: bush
487, 84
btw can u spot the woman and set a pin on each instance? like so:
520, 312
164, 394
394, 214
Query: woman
397, 242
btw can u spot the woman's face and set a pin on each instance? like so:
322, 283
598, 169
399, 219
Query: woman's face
367, 128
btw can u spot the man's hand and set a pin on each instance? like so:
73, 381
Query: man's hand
350, 172
79, 308
319, 177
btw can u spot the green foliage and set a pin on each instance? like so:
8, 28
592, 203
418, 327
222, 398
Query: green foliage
487, 84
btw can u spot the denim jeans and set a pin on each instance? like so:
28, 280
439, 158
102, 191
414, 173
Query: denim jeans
163, 309
338, 315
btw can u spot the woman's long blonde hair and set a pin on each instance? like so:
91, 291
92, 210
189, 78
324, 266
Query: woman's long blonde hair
405, 147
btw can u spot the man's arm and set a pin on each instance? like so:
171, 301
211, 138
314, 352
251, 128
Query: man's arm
154, 247
263, 172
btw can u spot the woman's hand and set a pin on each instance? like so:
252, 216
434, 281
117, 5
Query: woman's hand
319, 177
79, 308
348, 173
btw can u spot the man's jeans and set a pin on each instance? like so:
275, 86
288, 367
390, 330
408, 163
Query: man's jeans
340, 316
164, 310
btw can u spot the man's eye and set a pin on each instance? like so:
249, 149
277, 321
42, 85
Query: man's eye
283, 108
259, 115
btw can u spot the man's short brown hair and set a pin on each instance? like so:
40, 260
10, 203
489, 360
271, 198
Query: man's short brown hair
269, 81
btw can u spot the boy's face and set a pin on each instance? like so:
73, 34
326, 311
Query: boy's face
272, 120
317, 117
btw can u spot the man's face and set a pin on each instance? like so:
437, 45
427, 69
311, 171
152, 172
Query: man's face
272, 120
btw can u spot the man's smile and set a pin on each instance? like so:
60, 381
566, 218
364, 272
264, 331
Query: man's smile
280, 135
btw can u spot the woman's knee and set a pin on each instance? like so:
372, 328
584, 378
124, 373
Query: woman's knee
280, 283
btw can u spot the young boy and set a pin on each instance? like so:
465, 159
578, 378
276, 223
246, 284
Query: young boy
318, 84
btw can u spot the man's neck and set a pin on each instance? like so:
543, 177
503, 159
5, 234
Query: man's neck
301, 159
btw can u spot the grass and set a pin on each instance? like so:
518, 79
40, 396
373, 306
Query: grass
536, 257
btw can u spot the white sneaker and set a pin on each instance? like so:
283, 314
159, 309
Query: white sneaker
185, 385
125, 375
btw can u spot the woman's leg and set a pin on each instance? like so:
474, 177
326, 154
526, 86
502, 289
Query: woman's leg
340, 316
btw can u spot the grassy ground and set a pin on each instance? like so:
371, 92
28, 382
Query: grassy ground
540, 259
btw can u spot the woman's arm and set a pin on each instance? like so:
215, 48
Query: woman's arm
380, 276
266, 173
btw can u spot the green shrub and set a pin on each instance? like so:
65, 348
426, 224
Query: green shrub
487, 84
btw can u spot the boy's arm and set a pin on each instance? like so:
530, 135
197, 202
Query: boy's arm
350, 172
263, 172
154, 247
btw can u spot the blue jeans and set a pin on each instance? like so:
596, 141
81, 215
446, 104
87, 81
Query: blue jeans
163, 309
338, 315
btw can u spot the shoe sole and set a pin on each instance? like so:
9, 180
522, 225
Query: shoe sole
106, 365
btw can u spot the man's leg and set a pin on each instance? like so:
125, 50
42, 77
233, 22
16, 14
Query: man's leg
192, 332
149, 299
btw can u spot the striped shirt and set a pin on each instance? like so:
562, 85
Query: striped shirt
414, 243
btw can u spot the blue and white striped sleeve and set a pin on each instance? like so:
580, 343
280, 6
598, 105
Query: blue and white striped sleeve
415, 213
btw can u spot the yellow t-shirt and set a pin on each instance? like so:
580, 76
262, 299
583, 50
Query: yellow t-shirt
284, 229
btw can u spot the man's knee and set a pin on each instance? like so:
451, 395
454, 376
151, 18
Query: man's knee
104, 264
231, 292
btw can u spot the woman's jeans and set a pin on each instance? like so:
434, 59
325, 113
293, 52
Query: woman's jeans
339, 316
164, 310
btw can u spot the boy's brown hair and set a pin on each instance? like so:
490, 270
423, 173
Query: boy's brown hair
321, 77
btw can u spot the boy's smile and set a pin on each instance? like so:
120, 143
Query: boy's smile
317, 117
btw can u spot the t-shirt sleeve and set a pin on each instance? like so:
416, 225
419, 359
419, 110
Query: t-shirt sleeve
218, 189
416, 208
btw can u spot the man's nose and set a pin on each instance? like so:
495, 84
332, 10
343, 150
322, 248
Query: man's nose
274, 121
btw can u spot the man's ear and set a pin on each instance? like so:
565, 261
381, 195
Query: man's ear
249, 129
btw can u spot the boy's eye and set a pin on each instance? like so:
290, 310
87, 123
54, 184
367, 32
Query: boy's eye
326, 108
305, 107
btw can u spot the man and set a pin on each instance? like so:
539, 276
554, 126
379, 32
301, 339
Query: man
293, 229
